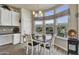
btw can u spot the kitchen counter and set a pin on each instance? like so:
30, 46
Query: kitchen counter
7, 33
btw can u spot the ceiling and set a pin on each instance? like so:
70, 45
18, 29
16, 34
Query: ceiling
35, 7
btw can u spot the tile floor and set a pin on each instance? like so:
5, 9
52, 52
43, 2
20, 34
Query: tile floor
20, 49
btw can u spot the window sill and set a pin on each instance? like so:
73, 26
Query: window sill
65, 49
58, 37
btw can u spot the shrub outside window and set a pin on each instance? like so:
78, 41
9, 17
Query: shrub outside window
62, 23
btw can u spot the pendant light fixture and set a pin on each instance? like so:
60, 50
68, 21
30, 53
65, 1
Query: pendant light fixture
40, 13
33, 12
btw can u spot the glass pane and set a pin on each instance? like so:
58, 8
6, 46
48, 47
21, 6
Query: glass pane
62, 26
38, 23
49, 21
49, 26
63, 19
62, 8
38, 26
49, 13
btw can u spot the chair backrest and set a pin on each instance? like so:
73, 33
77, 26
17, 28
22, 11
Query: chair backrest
33, 36
44, 37
75, 43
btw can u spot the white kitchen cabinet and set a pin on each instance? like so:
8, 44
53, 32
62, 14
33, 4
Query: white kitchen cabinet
15, 18
9, 18
5, 39
5, 17
16, 38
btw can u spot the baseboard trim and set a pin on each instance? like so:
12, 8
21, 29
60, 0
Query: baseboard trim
7, 44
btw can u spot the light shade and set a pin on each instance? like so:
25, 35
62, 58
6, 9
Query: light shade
33, 12
40, 12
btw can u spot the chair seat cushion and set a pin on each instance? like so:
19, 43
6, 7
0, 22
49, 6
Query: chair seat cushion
34, 43
47, 46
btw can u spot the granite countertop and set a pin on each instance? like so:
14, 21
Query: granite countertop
8, 33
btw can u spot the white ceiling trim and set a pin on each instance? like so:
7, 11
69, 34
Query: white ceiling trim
35, 7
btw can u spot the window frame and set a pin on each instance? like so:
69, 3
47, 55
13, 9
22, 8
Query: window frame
61, 7
66, 13
66, 25
48, 12
62, 16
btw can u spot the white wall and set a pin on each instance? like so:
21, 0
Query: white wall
26, 22
73, 21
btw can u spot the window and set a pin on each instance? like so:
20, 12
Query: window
62, 8
49, 13
62, 23
49, 26
38, 26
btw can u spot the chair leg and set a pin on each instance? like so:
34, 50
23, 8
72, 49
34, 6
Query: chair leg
41, 50
67, 53
38, 49
44, 49
27, 46
27, 51
32, 50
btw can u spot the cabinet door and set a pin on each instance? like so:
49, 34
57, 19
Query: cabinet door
16, 38
15, 18
5, 17
5, 39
